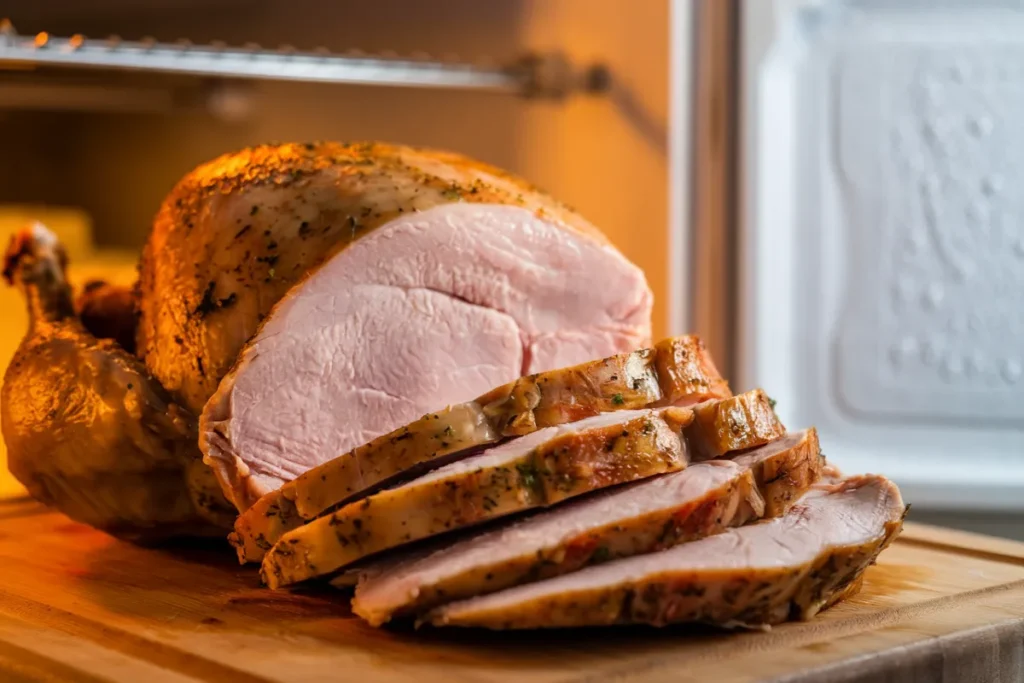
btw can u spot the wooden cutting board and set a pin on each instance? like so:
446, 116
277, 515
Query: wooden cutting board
76, 605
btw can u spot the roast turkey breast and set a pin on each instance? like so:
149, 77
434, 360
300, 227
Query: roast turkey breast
237, 232
394, 281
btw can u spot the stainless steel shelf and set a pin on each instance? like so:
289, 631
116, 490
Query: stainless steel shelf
547, 75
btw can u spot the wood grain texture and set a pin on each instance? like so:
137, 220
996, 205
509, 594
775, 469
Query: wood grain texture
76, 605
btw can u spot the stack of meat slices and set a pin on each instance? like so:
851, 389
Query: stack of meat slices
633, 489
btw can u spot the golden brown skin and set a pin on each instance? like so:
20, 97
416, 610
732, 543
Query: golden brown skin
677, 371
796, 464
236, 233
87, 430
744, 421
687, 372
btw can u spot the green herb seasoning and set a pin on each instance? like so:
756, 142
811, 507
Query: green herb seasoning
618, 400
529, 474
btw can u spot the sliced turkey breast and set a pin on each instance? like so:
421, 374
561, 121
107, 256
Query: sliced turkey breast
536, 470
676, 371
762, 574
261, 528
702, 500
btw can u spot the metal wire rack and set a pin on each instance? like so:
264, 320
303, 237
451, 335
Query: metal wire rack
534, 75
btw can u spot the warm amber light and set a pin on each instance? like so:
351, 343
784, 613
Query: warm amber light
42, 38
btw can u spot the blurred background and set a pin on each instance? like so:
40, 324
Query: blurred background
823, 190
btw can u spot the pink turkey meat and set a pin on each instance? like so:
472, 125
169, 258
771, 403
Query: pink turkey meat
434, 308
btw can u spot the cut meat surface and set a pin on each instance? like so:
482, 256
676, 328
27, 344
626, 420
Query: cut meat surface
734, 424
536, 470
702, 500
676, 371
762, 574
431, 309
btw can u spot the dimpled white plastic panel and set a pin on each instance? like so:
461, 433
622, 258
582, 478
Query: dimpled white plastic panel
885, 245
929, 153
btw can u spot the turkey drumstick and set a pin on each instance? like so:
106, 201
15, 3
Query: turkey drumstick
88, 431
